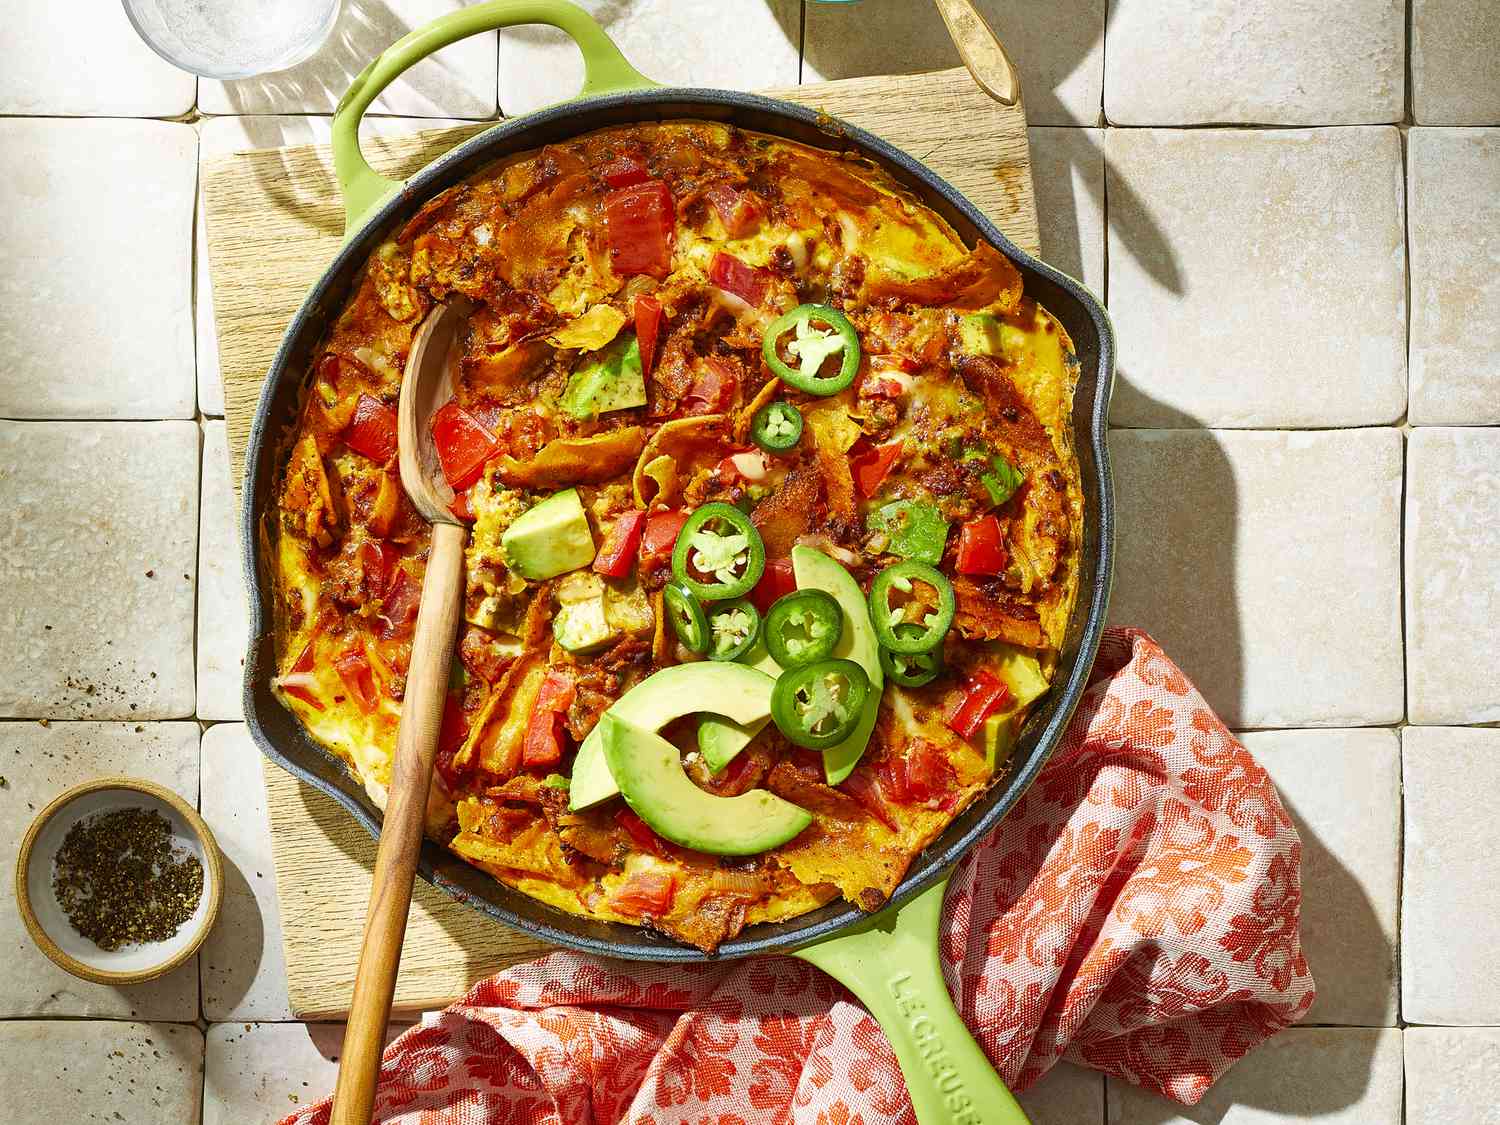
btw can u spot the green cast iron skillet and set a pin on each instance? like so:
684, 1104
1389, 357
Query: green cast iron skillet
890, 960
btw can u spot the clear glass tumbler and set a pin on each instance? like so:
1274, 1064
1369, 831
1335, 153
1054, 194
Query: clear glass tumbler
233, 38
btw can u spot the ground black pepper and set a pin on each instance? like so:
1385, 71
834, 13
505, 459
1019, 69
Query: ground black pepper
120, 878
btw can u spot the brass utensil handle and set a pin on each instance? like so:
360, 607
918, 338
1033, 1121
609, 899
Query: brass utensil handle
982, 51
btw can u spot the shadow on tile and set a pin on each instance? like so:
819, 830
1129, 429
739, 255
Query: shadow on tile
1360, 933
1196, 553
225, 986
364, 29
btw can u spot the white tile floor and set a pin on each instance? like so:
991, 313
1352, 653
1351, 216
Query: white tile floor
1259, 281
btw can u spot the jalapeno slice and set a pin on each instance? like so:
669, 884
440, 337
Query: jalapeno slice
686, 616
719, 543
818, 705
776, 427
810, 346
733, 628
803, 627
911, 669
932, 621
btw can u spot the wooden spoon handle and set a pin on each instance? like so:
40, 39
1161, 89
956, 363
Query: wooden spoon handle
401, 833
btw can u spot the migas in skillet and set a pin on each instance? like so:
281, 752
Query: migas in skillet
646, 297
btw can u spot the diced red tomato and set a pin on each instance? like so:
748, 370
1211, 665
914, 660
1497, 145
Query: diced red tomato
372, 430
622, 542
661, 534
712, 388
623, 171
489, 414
463, 445
378, 559
462, 505
870, 469
645, 892
640, 833
777, 581
647, 328
739, 211
865, 788
640, 220
983, 695
733, 276
541, 746
354, 669
981, 547
451, 737
402, 598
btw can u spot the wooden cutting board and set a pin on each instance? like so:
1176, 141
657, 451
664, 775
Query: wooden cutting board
274, 221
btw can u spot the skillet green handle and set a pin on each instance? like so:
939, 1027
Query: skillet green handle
891, 964
605, 70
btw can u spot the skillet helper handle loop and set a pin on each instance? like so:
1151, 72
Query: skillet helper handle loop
605, 70
891, 964
401, 831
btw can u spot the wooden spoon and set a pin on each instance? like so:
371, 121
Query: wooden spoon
426, 386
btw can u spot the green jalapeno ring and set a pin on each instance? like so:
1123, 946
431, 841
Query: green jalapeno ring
911, 669
805, 709
816, 614
776, 427
748, 626
932, 631
686, 616
813, 347
710, 552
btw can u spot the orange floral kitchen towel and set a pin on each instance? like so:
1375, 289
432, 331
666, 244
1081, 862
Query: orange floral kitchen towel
1137, 912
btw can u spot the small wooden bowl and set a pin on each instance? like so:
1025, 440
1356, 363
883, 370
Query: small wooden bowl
49, 926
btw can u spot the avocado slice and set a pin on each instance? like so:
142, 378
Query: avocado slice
653, 783
1022, 673
741, 694
549, 539
611, 380
979, 334
816, 571
720, 740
